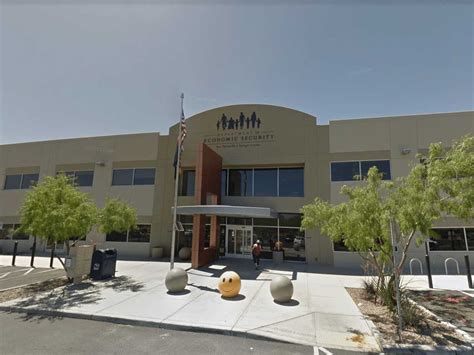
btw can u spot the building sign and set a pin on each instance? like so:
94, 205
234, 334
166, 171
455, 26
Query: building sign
242, 131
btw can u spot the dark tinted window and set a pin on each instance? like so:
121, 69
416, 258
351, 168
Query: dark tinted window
29, 180
84, 178
344, 171
240, 182
294, 243
141, 234
122, 177
290, 219
187, 184
116, 237
448, 239
144, 177
383, 167
224, 183
340, 246
239, 220
470, 238
265, 182
12, 182
268, 236
6, 231
265, 222
291, 181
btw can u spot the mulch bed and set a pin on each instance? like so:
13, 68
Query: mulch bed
452, 306
429, 331
30, 290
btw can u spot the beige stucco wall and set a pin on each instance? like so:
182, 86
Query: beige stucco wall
292, 138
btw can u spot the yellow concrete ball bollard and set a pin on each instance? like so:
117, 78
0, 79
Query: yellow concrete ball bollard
229, 284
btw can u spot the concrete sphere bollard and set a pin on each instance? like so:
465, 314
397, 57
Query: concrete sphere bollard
184, 253
176, 280
281, 289
229, 284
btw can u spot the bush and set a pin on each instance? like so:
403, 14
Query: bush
370, 288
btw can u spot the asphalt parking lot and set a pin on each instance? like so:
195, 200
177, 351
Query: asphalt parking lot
15, 276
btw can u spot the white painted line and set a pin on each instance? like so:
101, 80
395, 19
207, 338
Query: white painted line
316, 350
468, 294
28, 271
325, 351
6, 274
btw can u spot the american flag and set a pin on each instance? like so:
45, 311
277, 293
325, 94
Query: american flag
180, 142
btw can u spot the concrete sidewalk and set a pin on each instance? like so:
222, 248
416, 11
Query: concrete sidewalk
321, 313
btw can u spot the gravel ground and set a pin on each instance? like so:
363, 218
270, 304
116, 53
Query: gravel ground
428, 332
30, 290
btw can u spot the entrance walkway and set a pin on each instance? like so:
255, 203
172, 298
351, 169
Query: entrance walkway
321, 313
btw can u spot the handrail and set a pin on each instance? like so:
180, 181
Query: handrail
446, 264
419, 263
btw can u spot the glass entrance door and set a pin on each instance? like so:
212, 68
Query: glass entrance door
239, 241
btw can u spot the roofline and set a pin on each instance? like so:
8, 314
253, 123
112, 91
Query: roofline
400, 116
81, 137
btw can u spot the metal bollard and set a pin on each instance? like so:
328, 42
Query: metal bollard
15, 249
53, 249
468, 271
33, 251
428, 268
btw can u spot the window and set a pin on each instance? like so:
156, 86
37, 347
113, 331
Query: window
81, 178
187, 183
470, 238
8, 232
143, 176
268, 236
294, 243
20, 181
383, 167
289, 220
122, 177
12, 182
116, 237
240, 182
224, 183
139, 235
291, 182
340, 246
344, 171
265, 182
448, 239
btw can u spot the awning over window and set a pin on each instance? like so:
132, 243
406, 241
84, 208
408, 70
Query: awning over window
229, 211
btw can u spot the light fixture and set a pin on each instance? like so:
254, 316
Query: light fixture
100, 163
405, 150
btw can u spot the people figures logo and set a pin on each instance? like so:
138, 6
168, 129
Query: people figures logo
241, 122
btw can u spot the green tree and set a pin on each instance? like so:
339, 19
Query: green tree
55, 211
441, 183
117, 216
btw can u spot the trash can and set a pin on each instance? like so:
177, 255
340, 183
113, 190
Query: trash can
103, 264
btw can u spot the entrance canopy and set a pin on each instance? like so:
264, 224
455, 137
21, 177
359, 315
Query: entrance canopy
229, 211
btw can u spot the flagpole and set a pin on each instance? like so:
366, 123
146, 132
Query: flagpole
176, 184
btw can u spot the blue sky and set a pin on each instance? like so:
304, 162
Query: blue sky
105, 67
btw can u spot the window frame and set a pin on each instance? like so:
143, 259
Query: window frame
359, 161
133, 176
466, 245
72, 173
128, 235
20, 187
12, 236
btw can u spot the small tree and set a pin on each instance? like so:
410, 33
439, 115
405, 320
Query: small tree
55, 211
117, 216
442, 183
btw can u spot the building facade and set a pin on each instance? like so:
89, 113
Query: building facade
273, 158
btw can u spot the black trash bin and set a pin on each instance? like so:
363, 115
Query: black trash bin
103, 264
